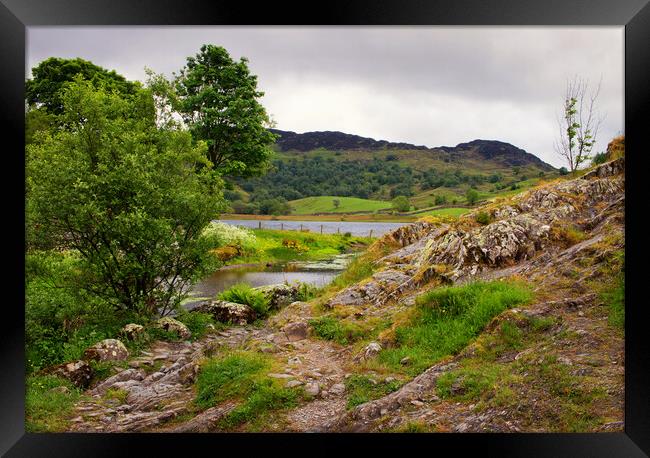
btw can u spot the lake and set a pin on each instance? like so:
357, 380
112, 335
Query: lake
316, 273
360, 229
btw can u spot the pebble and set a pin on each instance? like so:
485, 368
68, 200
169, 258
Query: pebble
415, 402
337, 388
293, 383
312, 388
404, 361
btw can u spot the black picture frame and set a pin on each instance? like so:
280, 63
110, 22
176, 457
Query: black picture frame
16, 15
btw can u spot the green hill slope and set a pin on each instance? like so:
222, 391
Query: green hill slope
325, 204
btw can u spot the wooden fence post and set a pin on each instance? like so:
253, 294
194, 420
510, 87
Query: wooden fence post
259, 225
321, 228
370, 233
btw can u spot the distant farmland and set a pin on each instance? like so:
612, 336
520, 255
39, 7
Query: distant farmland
325, 204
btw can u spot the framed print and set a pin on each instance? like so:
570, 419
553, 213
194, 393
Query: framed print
383, 225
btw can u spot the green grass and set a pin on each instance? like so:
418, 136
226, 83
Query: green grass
241, 376
243, 293
614, 299
310, 246
325, 204
46, 408
361, 389
454, 212
342, 332
447, 319
360, 267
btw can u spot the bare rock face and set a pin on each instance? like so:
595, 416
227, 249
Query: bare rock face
132, 331
78, 372
107, 350
296, 331
380, 284
171, 325
125, 375
228, 312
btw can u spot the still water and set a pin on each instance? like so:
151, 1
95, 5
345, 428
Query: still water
360, 229
318, 274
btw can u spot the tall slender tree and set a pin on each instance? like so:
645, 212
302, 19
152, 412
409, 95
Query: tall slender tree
579, 123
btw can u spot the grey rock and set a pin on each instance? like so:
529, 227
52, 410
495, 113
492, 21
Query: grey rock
312, 388
172, 325
107, 350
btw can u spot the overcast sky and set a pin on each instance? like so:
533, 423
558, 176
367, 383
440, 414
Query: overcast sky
429, 86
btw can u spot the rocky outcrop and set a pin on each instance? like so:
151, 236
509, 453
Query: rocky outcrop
107, 350
79, 373
132, 331
171, 325
519, 231
280, 295
228, 312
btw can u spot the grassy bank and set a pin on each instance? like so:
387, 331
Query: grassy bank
268, 245
361, 218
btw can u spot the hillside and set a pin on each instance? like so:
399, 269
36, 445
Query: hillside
337, 164
511, 324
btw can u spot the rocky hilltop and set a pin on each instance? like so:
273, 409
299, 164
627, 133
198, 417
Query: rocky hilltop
503, 153
553, 363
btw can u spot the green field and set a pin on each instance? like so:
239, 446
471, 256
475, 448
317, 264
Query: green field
456, 212
325, 204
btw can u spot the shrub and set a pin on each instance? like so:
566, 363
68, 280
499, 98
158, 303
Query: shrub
243, 293
483, 218
196, 322
472, 196
401, 204
221, 234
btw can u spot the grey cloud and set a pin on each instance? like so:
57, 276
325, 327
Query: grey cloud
424, 85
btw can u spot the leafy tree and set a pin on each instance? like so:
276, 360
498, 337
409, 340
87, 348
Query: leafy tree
337, 203
440, 199
217, 99
563, 171
599, 158
401, 204
49, 77
472, 196
579, 124
130, 198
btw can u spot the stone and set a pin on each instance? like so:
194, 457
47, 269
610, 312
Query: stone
280, 295
228, 312
312, 388
171, 325
77, 372
293, 383
294, 361
125, 375
59, 389
405, 361
281, 376
371, 350
296, 331
107, 350
132, 331
337, 389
